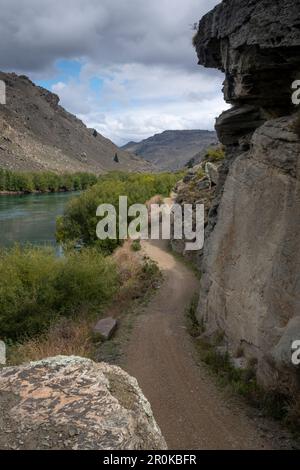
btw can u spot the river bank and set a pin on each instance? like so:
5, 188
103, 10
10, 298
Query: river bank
27, 193
17, 183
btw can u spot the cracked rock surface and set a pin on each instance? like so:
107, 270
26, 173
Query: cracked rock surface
74, 403
250, 287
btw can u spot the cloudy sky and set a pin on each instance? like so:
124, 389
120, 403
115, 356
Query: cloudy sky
125, 67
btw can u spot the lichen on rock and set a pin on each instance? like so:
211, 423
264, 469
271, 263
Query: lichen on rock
74, 403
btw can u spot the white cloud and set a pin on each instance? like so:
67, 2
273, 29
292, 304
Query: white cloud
134, 104
142, 50
33, 34
59, 87
140, 123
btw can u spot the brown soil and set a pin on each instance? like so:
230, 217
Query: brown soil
191, 410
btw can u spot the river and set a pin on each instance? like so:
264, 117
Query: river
31, 218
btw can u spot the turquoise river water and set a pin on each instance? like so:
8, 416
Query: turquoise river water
31, 218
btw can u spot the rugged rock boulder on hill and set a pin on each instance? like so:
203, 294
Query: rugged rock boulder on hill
74, 403
36, 133
250, 288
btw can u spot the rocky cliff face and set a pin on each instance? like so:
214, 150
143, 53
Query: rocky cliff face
36, 134
74, 403
250, 287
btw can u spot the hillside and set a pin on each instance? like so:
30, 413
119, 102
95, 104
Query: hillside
171, 150
36, 133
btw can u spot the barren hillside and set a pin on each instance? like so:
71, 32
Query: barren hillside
36, 133
172, 150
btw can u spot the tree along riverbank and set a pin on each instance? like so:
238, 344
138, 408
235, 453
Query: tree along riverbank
43, 182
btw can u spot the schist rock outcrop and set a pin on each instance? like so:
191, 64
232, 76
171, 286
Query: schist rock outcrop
250, 288
36, 133
74, 403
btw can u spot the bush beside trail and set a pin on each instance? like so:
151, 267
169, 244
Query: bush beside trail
80, 221
37, 288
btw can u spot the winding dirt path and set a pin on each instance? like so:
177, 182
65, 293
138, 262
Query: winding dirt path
188, 406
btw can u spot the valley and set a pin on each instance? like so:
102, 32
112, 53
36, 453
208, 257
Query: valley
125, 325
174, 150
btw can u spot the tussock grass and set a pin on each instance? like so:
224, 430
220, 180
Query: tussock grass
73, 336
67, 337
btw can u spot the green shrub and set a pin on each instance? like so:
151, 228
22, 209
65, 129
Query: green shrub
85, 279
200, 173
216, 154
36, 288
80, 221
150, 273
44, 181
136, 245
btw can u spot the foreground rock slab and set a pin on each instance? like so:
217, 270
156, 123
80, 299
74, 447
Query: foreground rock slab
74, 403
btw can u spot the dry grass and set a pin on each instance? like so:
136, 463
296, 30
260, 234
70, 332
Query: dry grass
134, 283
127, 261
74, 336
67, 337
154, 200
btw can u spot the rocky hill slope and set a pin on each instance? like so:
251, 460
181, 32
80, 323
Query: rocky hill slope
38, 134
250, 287
172, 150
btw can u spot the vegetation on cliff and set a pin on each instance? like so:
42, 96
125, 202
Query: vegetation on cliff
215, 154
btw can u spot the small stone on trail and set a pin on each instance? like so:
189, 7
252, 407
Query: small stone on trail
105, 328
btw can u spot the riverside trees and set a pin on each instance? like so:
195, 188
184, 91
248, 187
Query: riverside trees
43, 182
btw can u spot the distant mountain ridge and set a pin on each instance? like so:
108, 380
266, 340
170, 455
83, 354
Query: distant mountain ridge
37, 134
172, 150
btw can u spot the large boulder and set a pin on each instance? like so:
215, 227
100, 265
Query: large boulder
74, 403
250, 286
